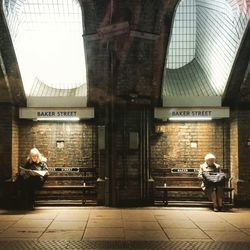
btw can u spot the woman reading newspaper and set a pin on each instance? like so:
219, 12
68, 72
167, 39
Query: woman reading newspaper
32, 176
213, 180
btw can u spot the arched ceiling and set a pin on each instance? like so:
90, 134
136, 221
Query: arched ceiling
126, 44
205, 39
11, 88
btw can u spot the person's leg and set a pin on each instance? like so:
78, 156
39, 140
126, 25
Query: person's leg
220, 197
34, 183
212, 196
27, 193
214, 200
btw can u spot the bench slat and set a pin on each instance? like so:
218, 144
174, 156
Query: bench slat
68, 187
168, 188
186, 188
179, 188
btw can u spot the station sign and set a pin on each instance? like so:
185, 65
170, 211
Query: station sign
184, 170
63, 169
192, 113
56, 113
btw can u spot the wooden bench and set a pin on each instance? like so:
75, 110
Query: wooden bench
181, 182
69, 186
86, 190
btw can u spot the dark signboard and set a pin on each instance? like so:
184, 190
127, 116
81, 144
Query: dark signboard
184, 170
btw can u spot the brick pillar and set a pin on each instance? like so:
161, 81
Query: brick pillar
9, 141
240, 155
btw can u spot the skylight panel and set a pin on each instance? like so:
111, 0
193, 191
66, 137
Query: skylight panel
47, 37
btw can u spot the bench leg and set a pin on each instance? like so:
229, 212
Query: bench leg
232, 197
165, 197
83, 197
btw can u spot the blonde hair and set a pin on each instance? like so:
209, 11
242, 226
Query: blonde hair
40, 157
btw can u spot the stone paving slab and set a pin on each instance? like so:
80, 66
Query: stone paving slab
125, 225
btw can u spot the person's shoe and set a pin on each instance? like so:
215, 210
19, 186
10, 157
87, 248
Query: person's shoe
216, 209
222, 209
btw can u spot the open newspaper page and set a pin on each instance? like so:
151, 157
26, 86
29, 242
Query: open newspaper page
30, 172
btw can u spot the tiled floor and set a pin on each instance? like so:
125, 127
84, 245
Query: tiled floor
137, 224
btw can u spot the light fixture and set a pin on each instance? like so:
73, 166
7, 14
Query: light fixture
67, 119
190, 118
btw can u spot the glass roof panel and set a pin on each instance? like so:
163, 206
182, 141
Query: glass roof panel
205, 39
47, 36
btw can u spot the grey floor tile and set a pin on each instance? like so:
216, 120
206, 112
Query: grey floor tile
142, 225
62, 235
104, 233
67, 225
105, 223
171, 223
217, 226
33, 233
32, 223
186, 234
228, 236
148, 235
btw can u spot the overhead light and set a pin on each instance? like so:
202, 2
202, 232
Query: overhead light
58, 119
190, 118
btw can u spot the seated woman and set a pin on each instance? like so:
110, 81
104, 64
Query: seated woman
213, 190
31, 178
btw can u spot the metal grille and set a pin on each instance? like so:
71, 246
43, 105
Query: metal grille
173, 245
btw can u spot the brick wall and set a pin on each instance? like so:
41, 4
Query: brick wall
234, 148
111, 61
184, 145
177, 145
64, 144
243, 180
15, 142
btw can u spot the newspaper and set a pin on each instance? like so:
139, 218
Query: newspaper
30, 172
